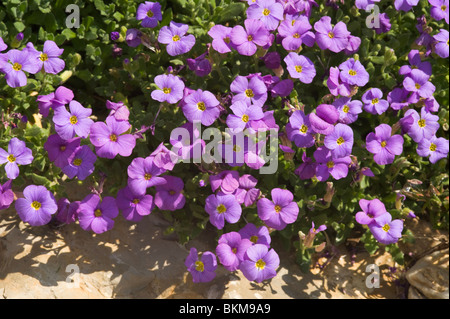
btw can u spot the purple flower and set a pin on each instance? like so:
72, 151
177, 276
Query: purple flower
175, 38
272, 60
385, 230
348, 109
415, 63
201, 106
405, 5
353, 73
441, 46
251, 91
266, 123
6, 194
257, 235
305, 6
221, 38
60, 150
340, 141
246, 40
363, 4
164, 158
326, 165
323, 120
307, 169
97, 214
18, 153
424, 125
67, 212
268, 12
336, 85
385, 24
59, 98
75, 122
80, 163
114, 35
353, 45
3, 46
398, 98
260, 263
300, 67
109, 140
279, 211
16, 62
370, 209
435, 147
149, 13
200, 65
222, 207
118, 110
439, 10
168, 196
243, 113
226, 182
37, 207
133, 205
143, 173
417, 82
171, 88
188, 145
202, 270
49, 57
133, 37
299, 129
231, 249
383, 145
328, 37
295, 33
373, 102
315, 231
247, 194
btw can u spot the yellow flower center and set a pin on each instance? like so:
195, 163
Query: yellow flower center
226, 40
421, 123
176, 38
296, 35
299, 68
245, 118
43, 57
113, 138
250, 38
443, 7
236, 148
221, 209
345, 109
386, 228
147, 176
199, 266
330, 164
201, 106
234, 250
62, 148
136, 201
432, 147
303, 129
98, 212
167, 90
340, 140
292, 22
73, 120
266, 12
417, 86
331, 35
149, 13
249, 93
352, 72
17, 66
277, 208
375, 101
383, 144
260, 264
36, 205
172, 192
11, 158
254, 239
77, 161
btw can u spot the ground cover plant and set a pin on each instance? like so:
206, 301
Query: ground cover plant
306, 121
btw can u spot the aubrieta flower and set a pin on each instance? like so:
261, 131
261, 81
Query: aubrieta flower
295, 32
385, 230
164, 158
188, 145
97, 214
226, 181
246, 40
257, 235
109, 138
385, 24
75, 122
221, 38
439, 10
176, 39
370, 210
37, 206
202, 270
326, 165
405, 5
363, 4
299, 129
133, 37
247, 194
251, 91
201, 106
307, 169
150, 13
49, 57
398, 98
417, 82
272, 60
57, 99
328, 37
6, 194
340, 141
383, 145
118, 110
260, 263
268, 12
300, 67
416, 63
134, 206
441, 47
114, 35
222, 207
279, 211
336, 85
435, 147
171, 88
16, 63
168, 196
323, 120
231, 249
348, 109
352, 45
80, 163
143, 173
200, 65
314, 231
59, 150
242, 114
67, 212
374, 102
18, 153
3, 46
424, 125
353, 73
